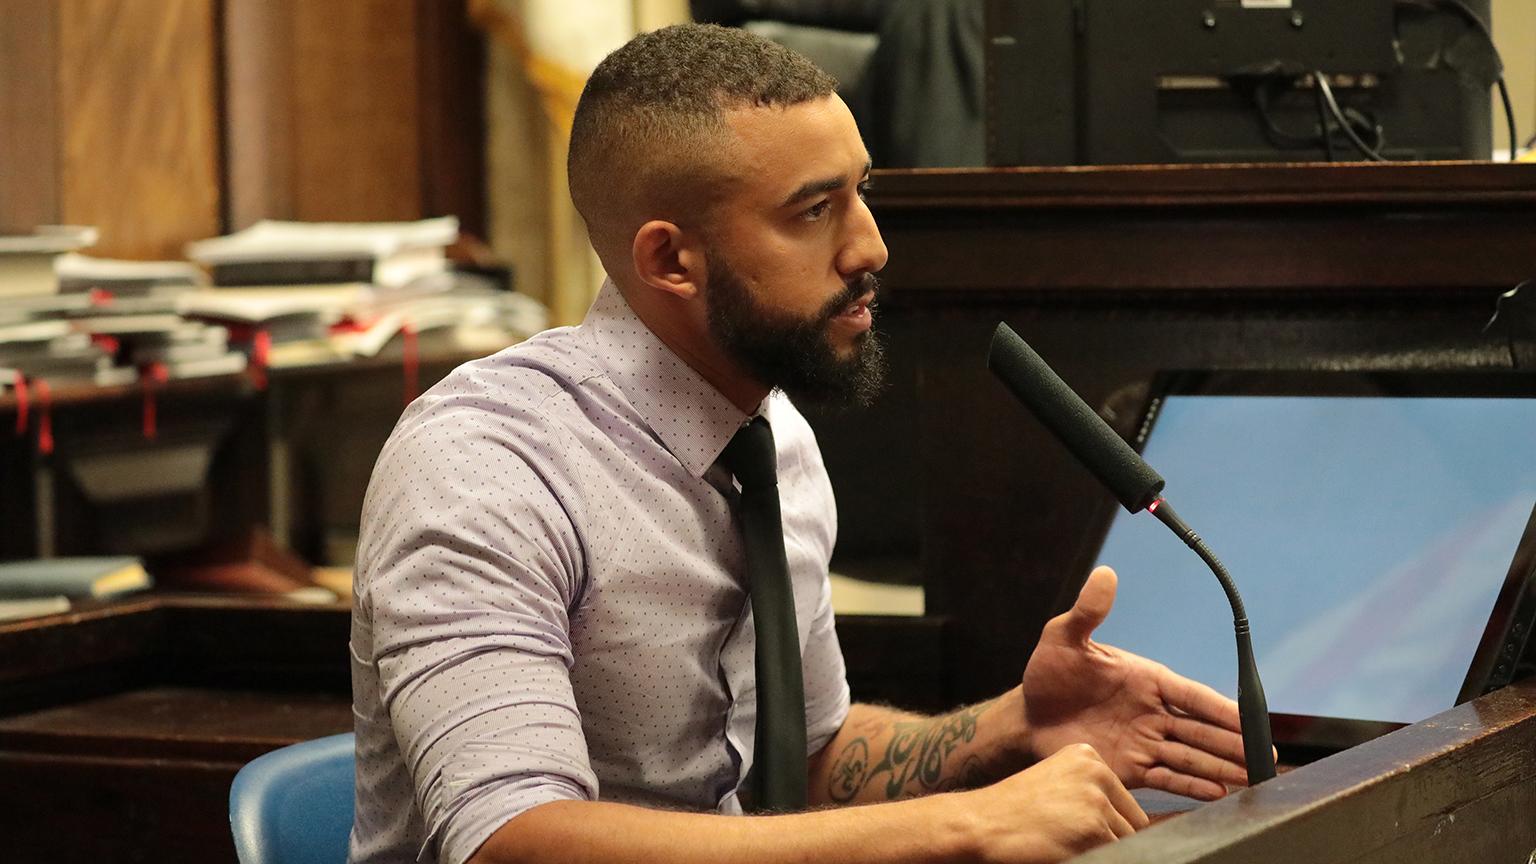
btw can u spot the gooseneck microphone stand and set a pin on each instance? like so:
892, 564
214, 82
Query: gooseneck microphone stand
1139, 487
1253, 709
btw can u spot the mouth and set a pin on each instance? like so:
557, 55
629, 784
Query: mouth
859, 307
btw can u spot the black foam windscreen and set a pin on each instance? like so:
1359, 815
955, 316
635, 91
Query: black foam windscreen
1070, 419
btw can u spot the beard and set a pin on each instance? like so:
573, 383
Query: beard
792, 354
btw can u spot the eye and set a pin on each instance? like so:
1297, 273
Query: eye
816, 211
864, 188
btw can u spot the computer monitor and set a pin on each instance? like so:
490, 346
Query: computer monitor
1100, 82
1380, 527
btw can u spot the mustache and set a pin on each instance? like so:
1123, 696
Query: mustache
865, 283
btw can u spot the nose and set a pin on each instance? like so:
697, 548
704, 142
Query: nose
863, 249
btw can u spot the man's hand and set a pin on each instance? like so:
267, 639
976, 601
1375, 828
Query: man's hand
1054, 810
1153, 727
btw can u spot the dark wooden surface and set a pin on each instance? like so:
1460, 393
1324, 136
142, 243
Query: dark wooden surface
182, 691
132, 717
1457, 788
1114, 274
123, 724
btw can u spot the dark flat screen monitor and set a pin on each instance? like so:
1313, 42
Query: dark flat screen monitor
1379, 526
1107, 82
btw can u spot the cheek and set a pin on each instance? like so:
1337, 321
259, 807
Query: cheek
799, 273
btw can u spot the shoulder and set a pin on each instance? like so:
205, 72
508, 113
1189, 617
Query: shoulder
477, 481
494, 435
520, 398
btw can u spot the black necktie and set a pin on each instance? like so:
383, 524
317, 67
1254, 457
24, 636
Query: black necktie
779, 757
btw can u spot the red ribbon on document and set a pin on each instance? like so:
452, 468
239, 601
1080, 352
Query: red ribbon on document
21, 404
150, 379
261, 355
44, 418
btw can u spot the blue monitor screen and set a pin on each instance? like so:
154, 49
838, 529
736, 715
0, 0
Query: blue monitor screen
1369, 537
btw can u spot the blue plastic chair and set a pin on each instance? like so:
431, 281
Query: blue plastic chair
294, 805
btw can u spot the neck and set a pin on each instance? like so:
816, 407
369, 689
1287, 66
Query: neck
668, 318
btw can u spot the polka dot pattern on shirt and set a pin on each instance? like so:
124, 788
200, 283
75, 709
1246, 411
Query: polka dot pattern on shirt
549, 596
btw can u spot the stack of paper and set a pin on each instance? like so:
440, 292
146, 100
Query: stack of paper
127, 287
386, 254
26, 261
54, 350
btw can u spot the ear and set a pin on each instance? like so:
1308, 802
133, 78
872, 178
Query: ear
669, 259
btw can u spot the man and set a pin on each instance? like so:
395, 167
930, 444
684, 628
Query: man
552, 649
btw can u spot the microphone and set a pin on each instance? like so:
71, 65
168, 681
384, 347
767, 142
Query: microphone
1138, 487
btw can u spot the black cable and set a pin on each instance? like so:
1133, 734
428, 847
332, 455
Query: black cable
1322, 122
1509, 118
1321, 83
1281, 138
1262, 90
1462, 10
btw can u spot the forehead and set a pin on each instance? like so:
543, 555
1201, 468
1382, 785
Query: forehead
774, 150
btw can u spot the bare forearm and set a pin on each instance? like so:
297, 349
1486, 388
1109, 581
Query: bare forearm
587, 832
882, 754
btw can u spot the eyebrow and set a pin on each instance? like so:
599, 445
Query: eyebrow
818, 187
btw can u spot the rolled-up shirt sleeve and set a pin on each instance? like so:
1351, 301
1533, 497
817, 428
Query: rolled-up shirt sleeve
471, 575
826, 680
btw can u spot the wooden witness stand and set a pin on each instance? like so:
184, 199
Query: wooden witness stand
132, 718
120, 726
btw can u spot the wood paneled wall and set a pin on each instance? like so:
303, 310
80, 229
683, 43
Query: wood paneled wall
29, 152
165, 121
138, 123
369, 109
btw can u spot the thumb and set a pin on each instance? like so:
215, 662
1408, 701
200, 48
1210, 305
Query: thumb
1093, 604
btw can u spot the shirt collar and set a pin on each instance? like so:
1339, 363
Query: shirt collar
692, 419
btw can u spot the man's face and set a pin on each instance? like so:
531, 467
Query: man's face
792, 252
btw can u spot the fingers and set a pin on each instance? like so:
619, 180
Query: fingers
1118, 825
1184, 759
1074, 803
1125, 813
1092, 606
1126, 809
1165, 778
1225, 743
1199, 701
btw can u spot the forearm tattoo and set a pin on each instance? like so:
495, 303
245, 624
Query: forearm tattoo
914, 762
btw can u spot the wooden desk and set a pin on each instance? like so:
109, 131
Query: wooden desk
1459, 787
122, 725
121, 728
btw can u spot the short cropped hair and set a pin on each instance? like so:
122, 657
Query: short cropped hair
643, 127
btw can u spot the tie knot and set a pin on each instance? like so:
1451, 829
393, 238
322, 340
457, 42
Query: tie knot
750, 456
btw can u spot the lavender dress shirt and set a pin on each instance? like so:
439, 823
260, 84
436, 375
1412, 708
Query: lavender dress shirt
549, 596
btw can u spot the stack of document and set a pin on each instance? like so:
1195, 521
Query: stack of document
49, 347
26, 261
327, 291
384, 254
108, 321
